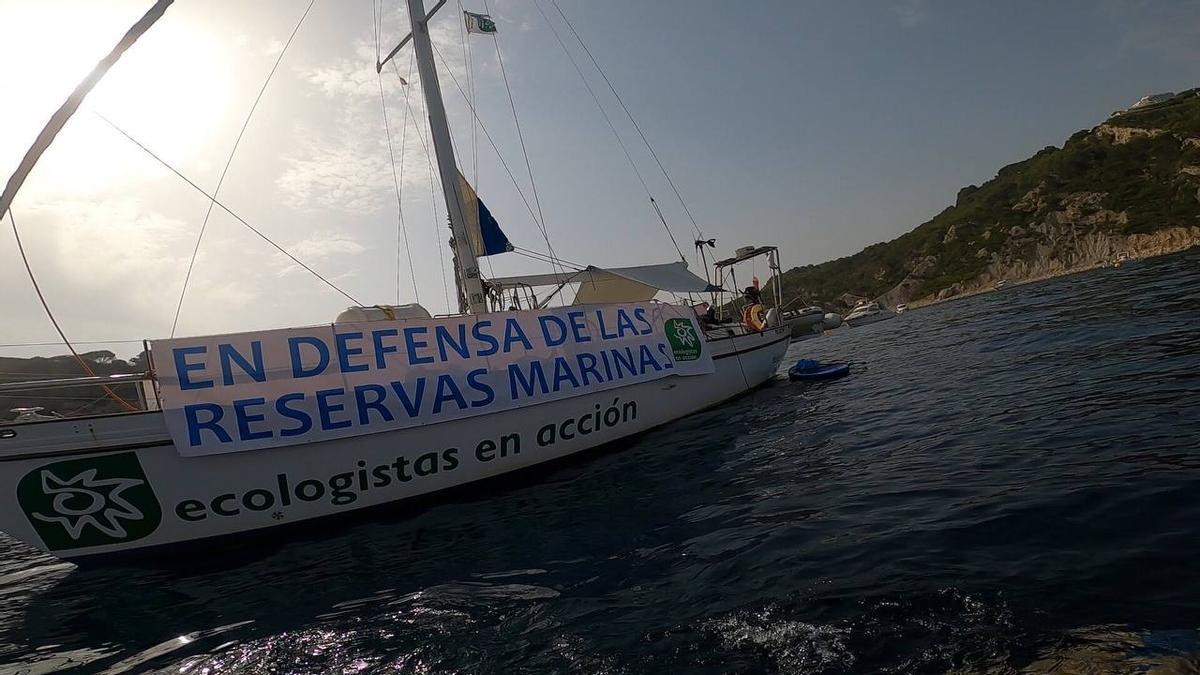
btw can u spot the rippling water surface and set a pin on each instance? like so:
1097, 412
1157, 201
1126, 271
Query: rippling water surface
1009, 482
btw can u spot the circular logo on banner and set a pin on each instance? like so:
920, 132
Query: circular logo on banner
90, 502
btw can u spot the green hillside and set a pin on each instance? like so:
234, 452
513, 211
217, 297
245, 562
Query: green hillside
83, 400
1136, 173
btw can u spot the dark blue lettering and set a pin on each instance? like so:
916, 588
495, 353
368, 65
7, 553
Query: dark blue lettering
227, 354
563, 373
304, 419
182, 367
411, 405
244, 419
587, 364
624, 323
647, 357
493, 345
444, 338
195, 425
514, 333
298, 369
579, 327
640, 314
447, 390
603, 329
558, 326
516, 376
625, 359
344, 352
326, 409
667, 362
474, 380
360, 398
382, 350
413, 344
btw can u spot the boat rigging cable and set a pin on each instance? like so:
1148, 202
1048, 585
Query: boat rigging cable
470, 69
553, 259
126, 405
528, 207
57, 121
612, 127
628, 114
397, 176
437, 235
226, 209
232, 151
521, 137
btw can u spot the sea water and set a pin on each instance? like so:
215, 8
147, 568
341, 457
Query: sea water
1004, 482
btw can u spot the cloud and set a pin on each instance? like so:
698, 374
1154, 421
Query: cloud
113, 254
345, 78
346, 172
317, 247
356, 78
911, 12
324, 244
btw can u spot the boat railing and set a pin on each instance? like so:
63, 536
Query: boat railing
143, 385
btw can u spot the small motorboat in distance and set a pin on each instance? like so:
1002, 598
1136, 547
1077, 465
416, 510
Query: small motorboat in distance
805, 322
866, 312
901, 308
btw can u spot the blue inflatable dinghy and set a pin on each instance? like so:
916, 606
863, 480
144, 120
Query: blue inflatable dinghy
807, 369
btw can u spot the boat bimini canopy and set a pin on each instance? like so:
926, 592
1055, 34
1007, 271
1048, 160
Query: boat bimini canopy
615, 284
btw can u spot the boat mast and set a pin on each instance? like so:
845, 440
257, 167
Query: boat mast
59, 119
467, 266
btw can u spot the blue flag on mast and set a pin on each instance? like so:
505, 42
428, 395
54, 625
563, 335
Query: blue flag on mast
482, 229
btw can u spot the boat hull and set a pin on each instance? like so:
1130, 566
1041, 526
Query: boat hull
805, 325
882, 315
164, 501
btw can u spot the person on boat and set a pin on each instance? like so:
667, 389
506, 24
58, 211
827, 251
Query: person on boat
754, 314
706, 314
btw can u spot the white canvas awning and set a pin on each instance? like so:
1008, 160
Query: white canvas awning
617, 284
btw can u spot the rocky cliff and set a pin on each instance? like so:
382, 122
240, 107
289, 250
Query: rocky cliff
1130, 184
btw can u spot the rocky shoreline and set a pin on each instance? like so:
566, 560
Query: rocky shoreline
1128, 185
1093, 251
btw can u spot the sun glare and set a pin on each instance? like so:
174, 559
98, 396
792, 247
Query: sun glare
169, 91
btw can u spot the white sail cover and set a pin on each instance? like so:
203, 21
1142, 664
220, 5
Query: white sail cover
617, 284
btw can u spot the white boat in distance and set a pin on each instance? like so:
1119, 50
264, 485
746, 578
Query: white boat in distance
866, 312
244, 434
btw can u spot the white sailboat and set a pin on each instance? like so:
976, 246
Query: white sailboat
241, 435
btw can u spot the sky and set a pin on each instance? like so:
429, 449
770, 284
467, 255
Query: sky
820, 127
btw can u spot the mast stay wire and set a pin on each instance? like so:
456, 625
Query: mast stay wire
613, 89
432, 183
521, 137
226, 209
529, 253
491, 142
397, 176
466, 47
483, 127
612, 127
229, 161
126, 405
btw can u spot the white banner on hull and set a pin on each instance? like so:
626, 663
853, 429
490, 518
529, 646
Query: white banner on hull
247, 391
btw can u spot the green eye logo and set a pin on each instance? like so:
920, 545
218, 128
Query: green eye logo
685, 344
90, 502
